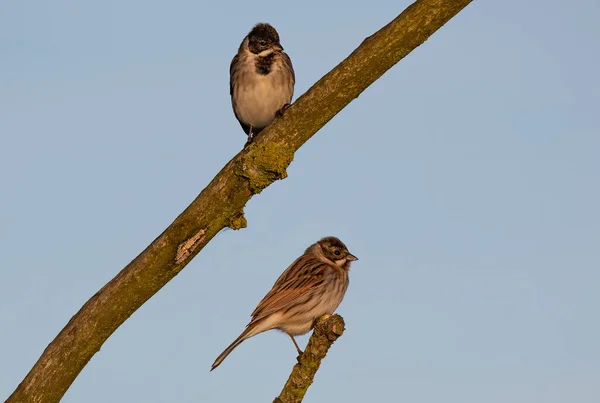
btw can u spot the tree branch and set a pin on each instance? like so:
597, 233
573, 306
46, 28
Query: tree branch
222, 202
327, 330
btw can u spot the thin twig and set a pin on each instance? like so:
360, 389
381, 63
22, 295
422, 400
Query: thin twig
327, 330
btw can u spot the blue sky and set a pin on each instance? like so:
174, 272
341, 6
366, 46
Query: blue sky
465, 180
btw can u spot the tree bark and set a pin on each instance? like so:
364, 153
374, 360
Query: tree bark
328, 329
222, 202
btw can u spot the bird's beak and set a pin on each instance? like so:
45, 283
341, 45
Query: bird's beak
277, 47
351, 257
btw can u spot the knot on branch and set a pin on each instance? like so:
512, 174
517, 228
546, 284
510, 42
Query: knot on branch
263, 164
238, 222
329, 326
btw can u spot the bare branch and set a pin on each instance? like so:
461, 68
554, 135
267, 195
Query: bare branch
222, 202
327, 330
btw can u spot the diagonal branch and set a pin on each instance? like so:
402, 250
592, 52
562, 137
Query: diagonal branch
328, 329
222, 202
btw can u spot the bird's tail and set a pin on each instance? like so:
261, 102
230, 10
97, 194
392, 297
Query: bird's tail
250, 331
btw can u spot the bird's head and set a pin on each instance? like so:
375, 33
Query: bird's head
335, 251
263, 40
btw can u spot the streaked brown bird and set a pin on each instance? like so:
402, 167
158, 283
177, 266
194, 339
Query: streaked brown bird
312, 286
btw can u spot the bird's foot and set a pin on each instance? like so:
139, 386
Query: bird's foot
297, 348
250, 136
281, 111
300, 352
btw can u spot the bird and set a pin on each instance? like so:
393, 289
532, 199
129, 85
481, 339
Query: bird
313, 285
261, 80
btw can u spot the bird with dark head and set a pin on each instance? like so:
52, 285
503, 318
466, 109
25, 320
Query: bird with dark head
261, 80
314, 285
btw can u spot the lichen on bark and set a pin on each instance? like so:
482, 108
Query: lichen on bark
264, 163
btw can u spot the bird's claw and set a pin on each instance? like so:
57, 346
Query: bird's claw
281, 111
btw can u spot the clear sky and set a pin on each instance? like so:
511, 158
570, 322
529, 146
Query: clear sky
466, 180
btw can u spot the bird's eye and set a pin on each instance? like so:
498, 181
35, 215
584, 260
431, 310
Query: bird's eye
262, 42
337, 253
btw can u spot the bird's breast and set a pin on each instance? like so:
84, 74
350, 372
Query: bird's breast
257, 97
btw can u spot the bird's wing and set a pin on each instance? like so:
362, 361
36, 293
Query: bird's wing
232, 67
301, 280
288, 64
